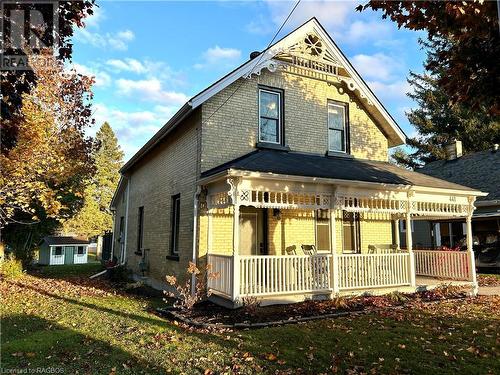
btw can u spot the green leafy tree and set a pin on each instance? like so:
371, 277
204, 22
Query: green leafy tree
95, 216
438, 122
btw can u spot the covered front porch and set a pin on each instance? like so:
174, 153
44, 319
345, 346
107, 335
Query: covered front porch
286, 237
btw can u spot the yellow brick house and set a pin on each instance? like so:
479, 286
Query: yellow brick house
277, 175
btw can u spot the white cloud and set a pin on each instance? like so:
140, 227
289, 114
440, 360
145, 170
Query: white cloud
219, 56
95, 19
128, 65
132, 128
149, 89
378, 66
118, 41
390, 91
102, 79
362, 31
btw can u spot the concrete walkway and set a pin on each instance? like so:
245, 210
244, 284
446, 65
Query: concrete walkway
489, 291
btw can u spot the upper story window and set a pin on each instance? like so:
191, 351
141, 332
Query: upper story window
270, 116
338, 127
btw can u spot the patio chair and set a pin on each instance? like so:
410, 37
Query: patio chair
291, 250
309, 249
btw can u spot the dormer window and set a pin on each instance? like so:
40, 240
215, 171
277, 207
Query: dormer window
338, 127
270, 116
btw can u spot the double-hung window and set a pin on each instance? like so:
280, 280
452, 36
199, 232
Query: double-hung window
322, 230
338, 127
270, 116
140, 230
174, 234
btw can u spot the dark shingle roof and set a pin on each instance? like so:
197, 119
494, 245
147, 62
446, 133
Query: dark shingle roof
480, 170
64, 240
342, 168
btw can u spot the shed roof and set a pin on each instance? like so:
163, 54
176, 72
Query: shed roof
64, 240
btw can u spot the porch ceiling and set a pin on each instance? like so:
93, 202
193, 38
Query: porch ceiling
339, 168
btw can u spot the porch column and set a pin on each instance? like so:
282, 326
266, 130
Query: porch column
334, 274
470, 250
409, 246
396, 234
234, 194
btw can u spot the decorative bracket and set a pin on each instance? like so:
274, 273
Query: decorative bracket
234, 183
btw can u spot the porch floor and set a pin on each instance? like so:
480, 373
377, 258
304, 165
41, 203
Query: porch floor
426, 283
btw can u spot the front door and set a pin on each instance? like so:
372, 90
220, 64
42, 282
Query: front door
69, 252
248, 233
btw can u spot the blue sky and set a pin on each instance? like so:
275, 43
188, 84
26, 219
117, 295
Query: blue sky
149, 57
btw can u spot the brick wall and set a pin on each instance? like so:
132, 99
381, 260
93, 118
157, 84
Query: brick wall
170, 168
305, 119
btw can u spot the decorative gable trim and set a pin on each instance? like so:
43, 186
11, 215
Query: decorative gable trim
310, 48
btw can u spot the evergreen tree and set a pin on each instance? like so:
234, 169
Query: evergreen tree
438, 122
95, 216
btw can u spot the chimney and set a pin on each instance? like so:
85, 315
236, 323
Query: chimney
254, 54
453, 150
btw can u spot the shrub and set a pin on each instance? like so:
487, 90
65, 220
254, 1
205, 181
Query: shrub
184, 298
250, 305
397, 298
118, 274
11, 268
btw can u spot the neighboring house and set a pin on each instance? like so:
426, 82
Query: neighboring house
277, 175
479, 170
57, 250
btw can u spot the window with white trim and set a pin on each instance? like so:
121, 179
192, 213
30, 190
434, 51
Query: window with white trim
338, 138
322, 230
175, 220
58, 250
80, 250
270, 116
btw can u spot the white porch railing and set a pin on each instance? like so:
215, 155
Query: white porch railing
222, 265
446, 264
267, 275
285, 274
80, 258
358, 271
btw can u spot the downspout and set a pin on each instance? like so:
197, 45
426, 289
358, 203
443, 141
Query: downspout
126, 224
195, 235
113, 236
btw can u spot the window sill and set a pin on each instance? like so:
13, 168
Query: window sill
172, 257
138, 253
339, 154
272, 146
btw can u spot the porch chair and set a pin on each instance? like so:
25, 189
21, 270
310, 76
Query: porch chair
291, 250
309, 249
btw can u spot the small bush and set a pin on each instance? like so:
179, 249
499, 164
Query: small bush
11, 268
250, 305
186, 300
118, 274
397, 298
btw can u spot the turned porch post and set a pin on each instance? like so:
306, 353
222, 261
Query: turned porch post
234, 194
470, 250
334, 273
409, 243
396, 234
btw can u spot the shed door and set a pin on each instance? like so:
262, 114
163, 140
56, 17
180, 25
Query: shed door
69, 252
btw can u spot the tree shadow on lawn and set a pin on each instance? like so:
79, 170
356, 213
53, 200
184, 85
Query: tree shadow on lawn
119, 313
42, 344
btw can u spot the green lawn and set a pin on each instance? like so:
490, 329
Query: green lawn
67, 325
66, 271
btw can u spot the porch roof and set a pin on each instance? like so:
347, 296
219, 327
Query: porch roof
333, 167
